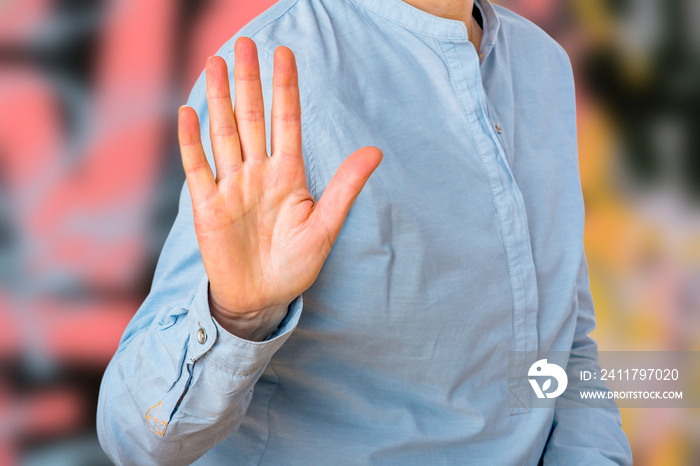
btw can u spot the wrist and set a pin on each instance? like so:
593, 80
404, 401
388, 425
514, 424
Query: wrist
253, 325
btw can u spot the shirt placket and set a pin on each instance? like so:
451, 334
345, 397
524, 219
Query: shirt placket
464, 68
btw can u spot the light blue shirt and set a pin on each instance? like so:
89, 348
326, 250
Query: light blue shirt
465, 244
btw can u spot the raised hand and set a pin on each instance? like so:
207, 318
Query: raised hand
262, 237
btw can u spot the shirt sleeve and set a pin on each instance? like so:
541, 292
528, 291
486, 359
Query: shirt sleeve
587, 434
179, 383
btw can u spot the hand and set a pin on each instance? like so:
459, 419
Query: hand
262, 237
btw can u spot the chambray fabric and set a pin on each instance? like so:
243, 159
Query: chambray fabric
465, 244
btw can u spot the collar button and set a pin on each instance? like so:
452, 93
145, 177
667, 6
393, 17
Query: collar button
201, 336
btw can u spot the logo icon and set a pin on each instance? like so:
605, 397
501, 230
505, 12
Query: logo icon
542, 368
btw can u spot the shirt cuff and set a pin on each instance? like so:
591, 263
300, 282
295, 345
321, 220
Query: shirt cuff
207, 336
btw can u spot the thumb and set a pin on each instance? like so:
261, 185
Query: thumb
330, 211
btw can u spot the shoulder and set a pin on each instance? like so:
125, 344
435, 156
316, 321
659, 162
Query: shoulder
528, 42
281, 24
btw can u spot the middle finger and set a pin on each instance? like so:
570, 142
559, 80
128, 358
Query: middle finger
249, 110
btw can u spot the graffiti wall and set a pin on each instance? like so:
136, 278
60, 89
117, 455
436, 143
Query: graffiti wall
90, 175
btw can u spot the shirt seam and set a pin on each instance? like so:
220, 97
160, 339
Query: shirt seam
305, 140
269, 402
228, 370
282, 14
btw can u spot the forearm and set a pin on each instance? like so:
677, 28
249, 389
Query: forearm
590, 435
169, 395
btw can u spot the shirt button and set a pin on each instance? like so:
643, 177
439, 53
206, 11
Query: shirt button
201, 336
499, 128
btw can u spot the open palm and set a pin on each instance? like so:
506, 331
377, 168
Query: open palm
262, 237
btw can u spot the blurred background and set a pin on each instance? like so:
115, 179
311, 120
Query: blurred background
90, 175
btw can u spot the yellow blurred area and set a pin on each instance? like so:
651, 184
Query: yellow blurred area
635, 65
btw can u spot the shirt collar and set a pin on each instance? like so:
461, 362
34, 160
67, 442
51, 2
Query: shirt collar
421, 22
